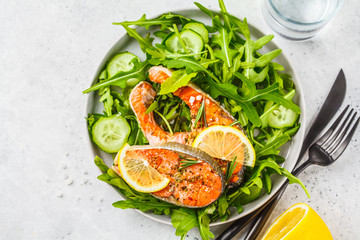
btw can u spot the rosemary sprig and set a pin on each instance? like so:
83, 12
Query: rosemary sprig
176, 124
230, 169
184, 163
204, 113
200, 113
236, 122
165, 121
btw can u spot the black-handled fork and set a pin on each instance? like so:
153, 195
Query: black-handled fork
323, 152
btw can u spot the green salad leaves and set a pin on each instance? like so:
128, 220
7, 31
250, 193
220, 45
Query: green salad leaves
225, 62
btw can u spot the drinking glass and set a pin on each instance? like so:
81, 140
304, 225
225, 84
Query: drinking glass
299, 19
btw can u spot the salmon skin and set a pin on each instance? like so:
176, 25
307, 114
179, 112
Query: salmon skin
193, 186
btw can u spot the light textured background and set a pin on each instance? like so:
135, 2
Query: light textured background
50, 51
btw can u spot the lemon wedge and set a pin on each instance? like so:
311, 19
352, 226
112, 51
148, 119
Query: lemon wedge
138, 173
298, 222
226, 143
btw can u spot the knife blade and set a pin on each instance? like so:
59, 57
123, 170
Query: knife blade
331, 105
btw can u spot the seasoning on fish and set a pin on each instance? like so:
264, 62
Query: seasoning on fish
143, 95
198, 184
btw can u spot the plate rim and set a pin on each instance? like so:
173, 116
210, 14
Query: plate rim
300, 134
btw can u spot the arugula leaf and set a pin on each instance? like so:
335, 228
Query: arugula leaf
278, 138
120, 78
225, 16
154, 105
183, 220
91, 120
251, 47
204, 221
141, 201
270, 93
267, 182
222, 205
253, 192
226, 54
164, 21
243, 27
107, 99
110, 177
293, 179
266, 58
144, 42
248, 88
204, 9
230, 91
191, 65
160, 53
263, 41
238, 206
161, 34
177, 80
172, 114
287, 81
100, 164
237, 61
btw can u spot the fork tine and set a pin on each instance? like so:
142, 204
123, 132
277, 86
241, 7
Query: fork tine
343, 130
337, 131
325, 137
336, 154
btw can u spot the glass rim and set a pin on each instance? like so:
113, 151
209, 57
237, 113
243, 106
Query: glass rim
336, 9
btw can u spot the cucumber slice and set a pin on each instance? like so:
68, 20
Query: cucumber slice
199, 28
282, 117
121, 62
192, 40
172, 43
111, 133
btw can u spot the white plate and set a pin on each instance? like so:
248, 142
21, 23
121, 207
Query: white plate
290, 151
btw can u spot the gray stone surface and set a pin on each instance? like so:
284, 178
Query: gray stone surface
49, 53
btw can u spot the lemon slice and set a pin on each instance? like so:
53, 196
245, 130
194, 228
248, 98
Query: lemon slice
138, 173
298, 222
226, 143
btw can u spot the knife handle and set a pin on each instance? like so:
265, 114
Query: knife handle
241, 223
237, 226
261, 219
